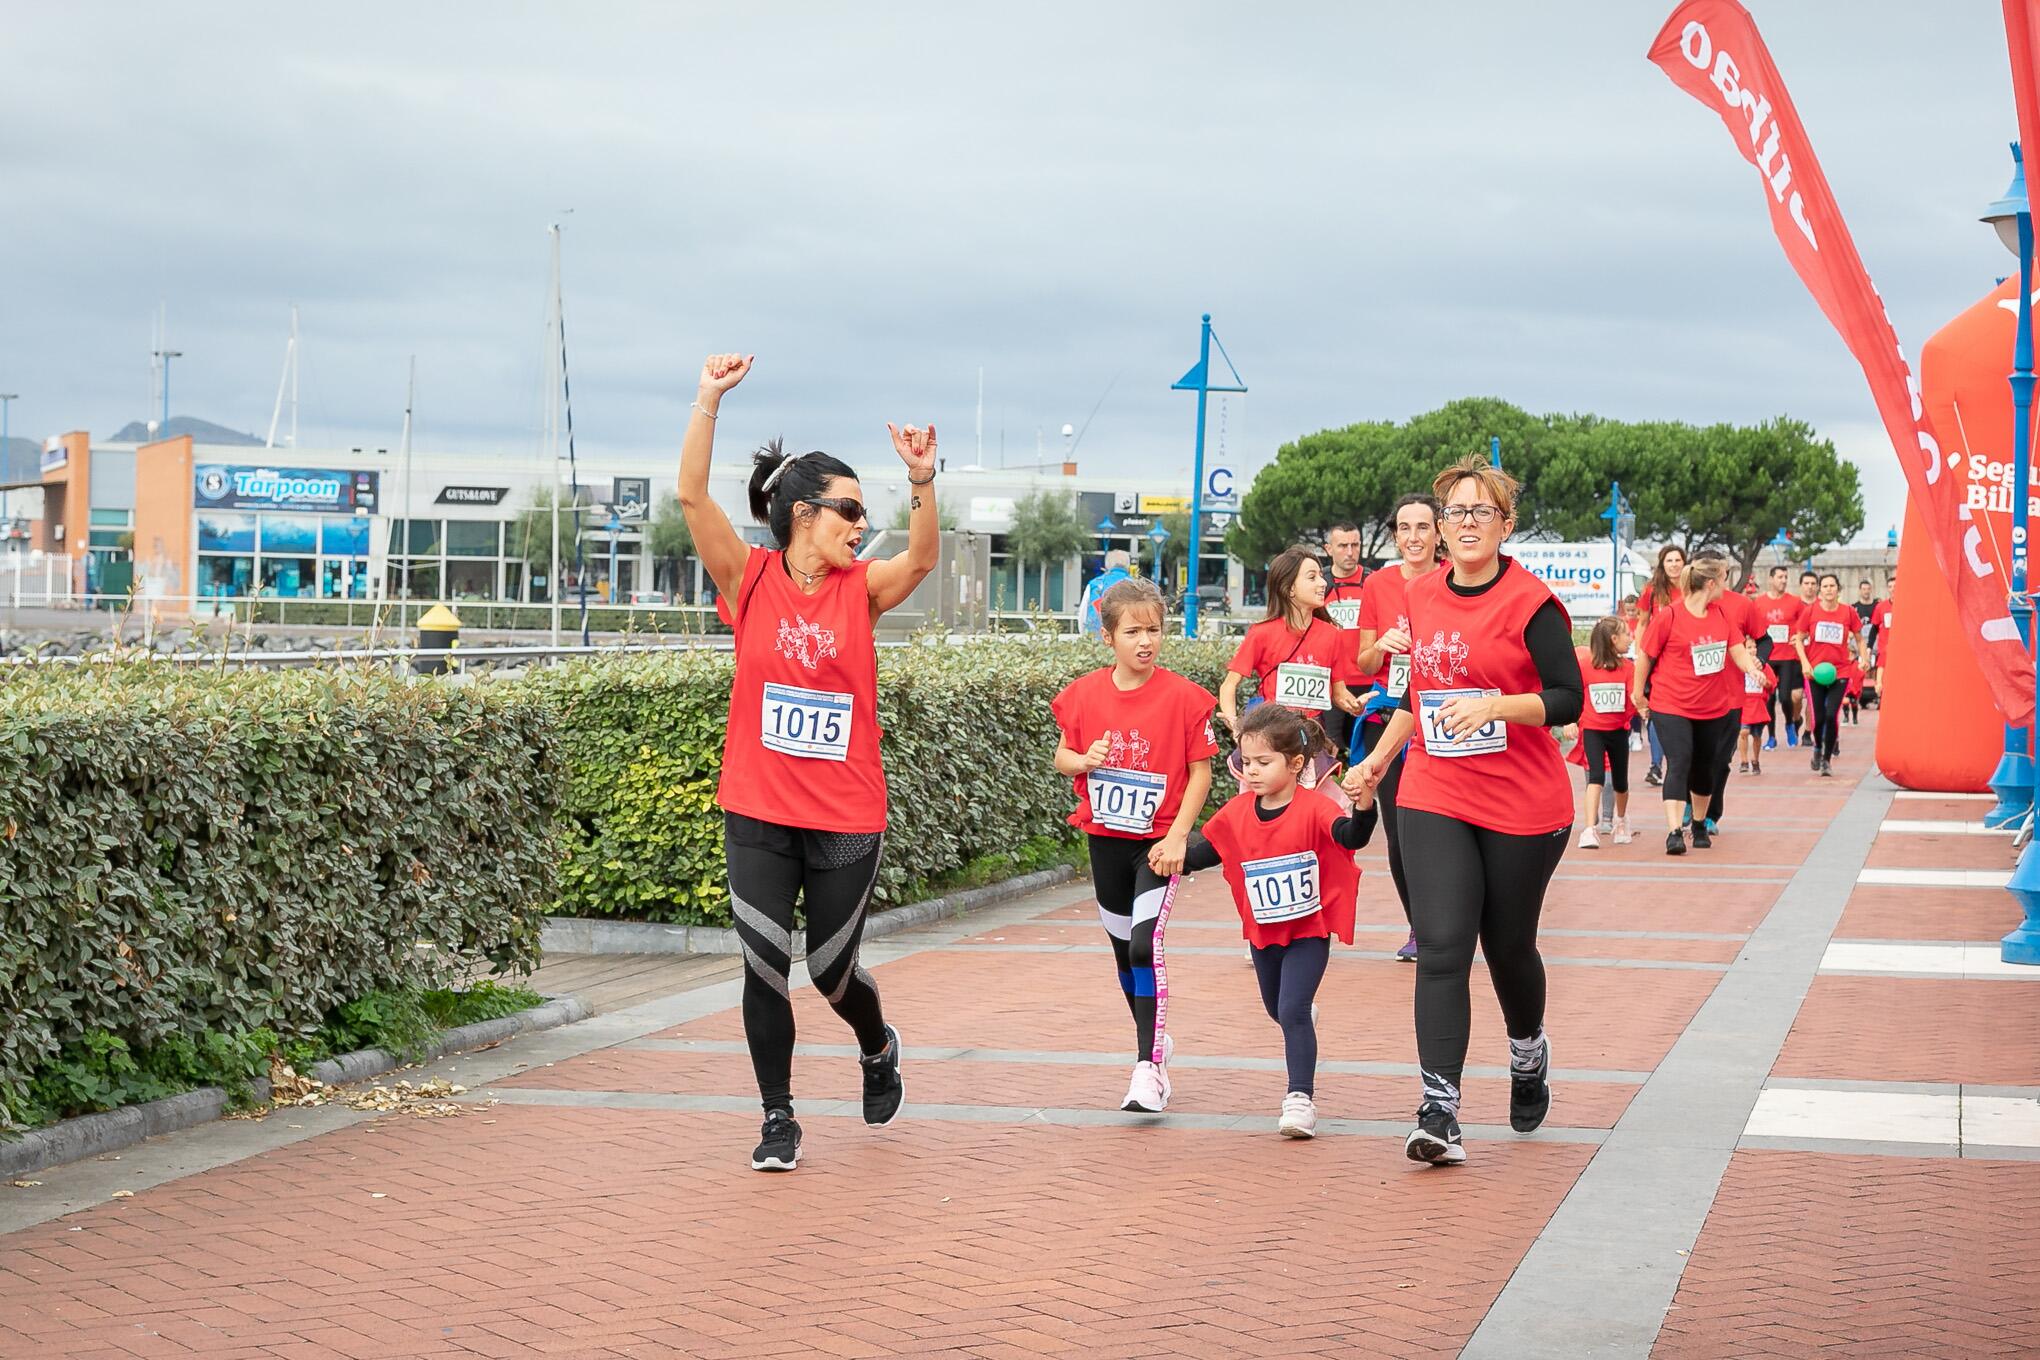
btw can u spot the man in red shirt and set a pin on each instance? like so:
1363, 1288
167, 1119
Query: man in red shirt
1342, 602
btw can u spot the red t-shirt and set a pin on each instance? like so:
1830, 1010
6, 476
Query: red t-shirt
1511, 779
1608, 706
1313, 659
1775, 615
1278, 866
1682, 683
1342, 597
1881, 618
1827, 633
801, 748
1756, 696
1156, 730
1384, 604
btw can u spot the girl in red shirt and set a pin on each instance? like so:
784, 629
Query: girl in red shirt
1486, 805
802, 790
1756, 718
1137, 742
1693, 696
1829, 631
1288, 858
1296, 655
1609, 674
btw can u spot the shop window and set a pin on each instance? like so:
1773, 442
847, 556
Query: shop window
344, 537
226, 533
289, 535
467, 580
289, 577
343, 578
473, 538
424, 537
219, 576
112, 519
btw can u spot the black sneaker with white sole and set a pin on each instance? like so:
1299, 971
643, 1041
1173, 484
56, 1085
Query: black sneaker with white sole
1530, 1092
1702, 838
779, 1144
883, 1089
1675, 843
1435, 1139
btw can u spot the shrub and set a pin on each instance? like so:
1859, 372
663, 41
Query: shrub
967, 747
185, 854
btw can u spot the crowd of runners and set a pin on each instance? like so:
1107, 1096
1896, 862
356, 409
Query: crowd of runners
1446, 684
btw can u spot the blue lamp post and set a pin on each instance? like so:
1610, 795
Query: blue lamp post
1198, 380
1158, 536
1617, 510
2012, 781
1494, 450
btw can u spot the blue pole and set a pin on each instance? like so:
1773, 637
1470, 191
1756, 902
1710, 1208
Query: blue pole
2023, 944
167, 357
1494, 449
2012, 781
1615, 548
1197, 477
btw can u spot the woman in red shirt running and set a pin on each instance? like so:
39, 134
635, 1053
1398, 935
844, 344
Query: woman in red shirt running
1695, 698
1137, 742
1827, 631
1486, 804
1297, 655
802, 789
1657, 596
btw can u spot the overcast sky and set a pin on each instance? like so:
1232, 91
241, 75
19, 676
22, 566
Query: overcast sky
1385, 206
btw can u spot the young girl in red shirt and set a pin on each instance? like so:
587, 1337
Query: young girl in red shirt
1137, 742
1298, 656
1608, 672
1287, 852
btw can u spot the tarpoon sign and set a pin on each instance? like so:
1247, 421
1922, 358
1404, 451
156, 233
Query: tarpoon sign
318, 491
1578, 574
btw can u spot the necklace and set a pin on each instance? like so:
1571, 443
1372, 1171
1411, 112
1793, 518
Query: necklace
807, 577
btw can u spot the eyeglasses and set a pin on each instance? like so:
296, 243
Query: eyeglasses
1480, 514
849, 509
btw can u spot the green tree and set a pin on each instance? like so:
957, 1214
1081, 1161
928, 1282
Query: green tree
1355, 473
1046, 529
1736, 486
670, 540
945, 515
531, 537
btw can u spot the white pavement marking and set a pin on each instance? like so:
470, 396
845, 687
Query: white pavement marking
2000, 1121
1935, 878
1931, 828
1915, 796
1974, 961
1907, 1118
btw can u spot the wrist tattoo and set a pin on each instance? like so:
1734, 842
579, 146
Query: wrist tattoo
916, 503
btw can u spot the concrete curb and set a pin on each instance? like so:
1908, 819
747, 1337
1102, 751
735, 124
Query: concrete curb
92, 1135
584, 935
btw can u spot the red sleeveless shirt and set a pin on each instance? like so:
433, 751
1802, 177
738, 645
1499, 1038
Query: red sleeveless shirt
1510, 779
1278, 869
802, 743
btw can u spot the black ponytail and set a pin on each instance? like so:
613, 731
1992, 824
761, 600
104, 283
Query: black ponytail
1288, 733
800, 477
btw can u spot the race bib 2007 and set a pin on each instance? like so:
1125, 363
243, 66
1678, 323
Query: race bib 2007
1709, 657
1607, 696
1779, 632
1305, 687
1283, 888
813, 724
1345, 613
1827, 630
1125, 800
1398, 675
1487, 739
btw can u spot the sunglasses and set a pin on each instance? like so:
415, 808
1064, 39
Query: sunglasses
849, 508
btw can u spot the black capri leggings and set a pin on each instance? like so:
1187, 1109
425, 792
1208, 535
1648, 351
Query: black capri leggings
1468, 885
1692, 753
1384, 795
1132, 906
832, 873
1827, 713
1607, 753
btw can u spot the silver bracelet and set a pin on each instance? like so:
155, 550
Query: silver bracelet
703, 409
911, 482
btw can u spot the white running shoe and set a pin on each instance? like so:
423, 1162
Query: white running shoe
1622, 836
1299, 1116
1590, 839
1148, 1093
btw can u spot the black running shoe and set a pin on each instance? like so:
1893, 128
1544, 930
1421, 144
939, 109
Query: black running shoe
1816, 760
1530, 1093
1675, 843
883, 1090
779, 1145
1654, 776
1702, 838
1435, 1139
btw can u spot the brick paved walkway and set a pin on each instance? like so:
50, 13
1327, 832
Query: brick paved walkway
1773, 1135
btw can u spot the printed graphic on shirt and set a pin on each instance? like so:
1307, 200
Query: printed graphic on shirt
1129, 750
805, 642
1442, 659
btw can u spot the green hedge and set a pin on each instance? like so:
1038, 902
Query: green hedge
189, 853
968, 746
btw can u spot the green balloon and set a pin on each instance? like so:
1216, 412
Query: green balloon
1824, 673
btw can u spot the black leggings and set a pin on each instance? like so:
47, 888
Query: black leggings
1693, 753
1133, 906
1384, 796
833, 874
1827, 712
1289, 975
1607, 752
1470, 884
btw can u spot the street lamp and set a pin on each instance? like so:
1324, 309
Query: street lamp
2012, 781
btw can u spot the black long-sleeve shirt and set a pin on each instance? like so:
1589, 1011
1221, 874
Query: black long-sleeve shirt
1548, 638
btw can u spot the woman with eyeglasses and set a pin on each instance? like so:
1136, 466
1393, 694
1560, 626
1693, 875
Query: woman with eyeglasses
1486, 806
802, 790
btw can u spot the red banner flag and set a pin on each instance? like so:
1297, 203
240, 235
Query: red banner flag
1711, 50
2021, 29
